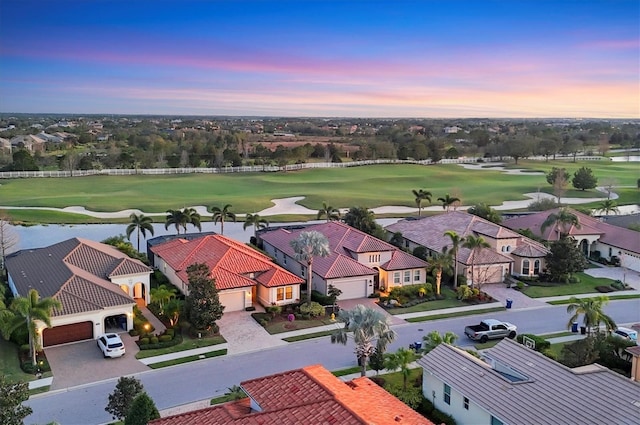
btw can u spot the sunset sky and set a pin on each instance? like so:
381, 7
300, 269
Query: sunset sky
427, 59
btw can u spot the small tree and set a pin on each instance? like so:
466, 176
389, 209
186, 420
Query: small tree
334, 293
143, 410
584, 179
434, 338
555, 174
203, 303
121, 399
565, 258
400, 360
485, 211
376, 361
12, 395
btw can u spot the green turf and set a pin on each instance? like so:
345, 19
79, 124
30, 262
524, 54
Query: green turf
187, 344
307, 336
587, 285
449, 302
458, 314
611, 298
370, 186
188, 359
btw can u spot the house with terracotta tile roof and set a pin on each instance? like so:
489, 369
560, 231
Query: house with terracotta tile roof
591, 235
514, 384
243, 275
358, 263
510, 252
310, 396
96, 284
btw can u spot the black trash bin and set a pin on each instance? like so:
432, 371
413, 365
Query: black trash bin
583, 330
509, 302
574, 327
417, 346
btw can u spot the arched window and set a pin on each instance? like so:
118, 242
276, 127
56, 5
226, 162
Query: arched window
525, 267
536, 267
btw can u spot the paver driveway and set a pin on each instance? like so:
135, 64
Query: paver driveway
82, 363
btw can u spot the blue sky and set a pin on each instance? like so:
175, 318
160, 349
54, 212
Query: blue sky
427, 59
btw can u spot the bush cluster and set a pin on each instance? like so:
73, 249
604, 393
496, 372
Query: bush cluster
321, 298
428, 410
542, 344
313, 310
404, 294
168, 338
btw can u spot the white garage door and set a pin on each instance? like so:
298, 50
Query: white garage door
232, 301
351, 290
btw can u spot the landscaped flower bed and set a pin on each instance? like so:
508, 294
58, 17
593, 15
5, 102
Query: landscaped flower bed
275, 320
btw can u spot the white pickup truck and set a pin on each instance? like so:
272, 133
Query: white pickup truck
490, 329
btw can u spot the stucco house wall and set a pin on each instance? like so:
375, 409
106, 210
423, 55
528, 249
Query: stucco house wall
433, 390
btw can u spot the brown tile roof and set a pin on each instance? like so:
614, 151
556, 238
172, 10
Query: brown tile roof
609, 234
344, 243
310, 396
231, 263
76, 272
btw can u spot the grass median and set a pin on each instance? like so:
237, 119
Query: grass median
458, 314
188, 359
186, 344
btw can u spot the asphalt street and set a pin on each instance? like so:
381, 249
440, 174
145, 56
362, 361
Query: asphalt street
177, 385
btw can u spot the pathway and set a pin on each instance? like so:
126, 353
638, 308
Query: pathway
244, 334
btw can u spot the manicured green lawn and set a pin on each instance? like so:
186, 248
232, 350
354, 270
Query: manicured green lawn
280, 324
611, 298
187, 344
188, 359
9, 363
587, 285
449, 302
250, 192
307, 336
458, 314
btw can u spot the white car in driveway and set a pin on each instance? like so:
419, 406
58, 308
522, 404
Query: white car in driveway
111, 345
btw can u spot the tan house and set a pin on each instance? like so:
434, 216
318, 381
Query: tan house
243, 276
591, 236
509, 252
96, 284
29, 142
358, 264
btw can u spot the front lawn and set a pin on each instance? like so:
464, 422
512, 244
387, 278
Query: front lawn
587, 285
186, 344
449, 301
10, 364
280, 323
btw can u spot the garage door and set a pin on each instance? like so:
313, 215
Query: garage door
232, 301
67, 333
351, 290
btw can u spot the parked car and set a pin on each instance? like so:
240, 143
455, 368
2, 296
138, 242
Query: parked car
626, 333
111, 345
490, 329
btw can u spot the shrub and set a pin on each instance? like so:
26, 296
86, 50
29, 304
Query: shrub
574, 279
170, 332
314, 309
134, 332
618, 285
274, 310
464, 292
143, 341
153, 340
604, 289
263, 322
165, 338
541, 343
520, 285
321, 298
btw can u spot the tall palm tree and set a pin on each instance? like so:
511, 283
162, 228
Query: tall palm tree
609, 205
331, 213
434, 338
421, 195
561, 220
181, 218
591, 309
439, 263
368, 327
256, 221
447, 201
307, 246
28, 311
221, 214
162, 294
141, 224
192, 217
475, 244
401, 359
456, 243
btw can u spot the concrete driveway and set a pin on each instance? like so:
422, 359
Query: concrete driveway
243, 334
82, 363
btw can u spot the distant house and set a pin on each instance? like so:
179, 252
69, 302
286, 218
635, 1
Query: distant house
591, 236
510, 252
96, 284
29, 142
517, 385
358, 263
243, 276
452, 130
5, 145
309, 396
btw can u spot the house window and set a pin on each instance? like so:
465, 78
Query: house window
447, 394
525, 267
536, 267
288, 292
496, 421
303, 271
396, 278
280, 294
407, 276
284, 260
416, 275
374, 258
465, 402
406, 243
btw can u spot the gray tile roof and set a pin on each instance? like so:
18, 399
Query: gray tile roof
76, 272
554, 394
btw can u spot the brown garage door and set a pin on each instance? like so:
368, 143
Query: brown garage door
67, 333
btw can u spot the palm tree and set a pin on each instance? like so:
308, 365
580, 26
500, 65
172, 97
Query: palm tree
434, 338
181, 218
447, 201
220, 215
162, 294
192, 217
173, 309
591, 309
401, 359
421, 195
139, 223
475, 244
256, 221
332, 214
456, 242
560, 220
29, 310
306, 246
609, 205
439, 263
368, 327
